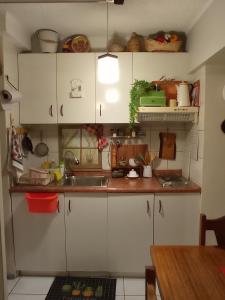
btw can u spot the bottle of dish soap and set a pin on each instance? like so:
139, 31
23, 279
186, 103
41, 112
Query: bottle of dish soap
62, 167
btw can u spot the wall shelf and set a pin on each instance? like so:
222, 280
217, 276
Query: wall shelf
168, 114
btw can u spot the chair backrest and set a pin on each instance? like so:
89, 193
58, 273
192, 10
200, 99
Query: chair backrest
217, 225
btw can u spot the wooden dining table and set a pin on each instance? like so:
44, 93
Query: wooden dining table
189, 272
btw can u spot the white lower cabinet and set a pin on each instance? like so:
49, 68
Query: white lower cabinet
176, 219
102, 232
86, 231
39, 239
130, 231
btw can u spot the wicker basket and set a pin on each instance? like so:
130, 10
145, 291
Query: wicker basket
135, 43
153, 45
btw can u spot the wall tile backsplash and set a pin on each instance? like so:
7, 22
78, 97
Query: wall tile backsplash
151, 137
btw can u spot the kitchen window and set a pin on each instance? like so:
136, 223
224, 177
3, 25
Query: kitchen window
79, 142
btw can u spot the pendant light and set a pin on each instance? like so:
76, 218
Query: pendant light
108, 65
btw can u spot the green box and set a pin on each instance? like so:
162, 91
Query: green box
153, 98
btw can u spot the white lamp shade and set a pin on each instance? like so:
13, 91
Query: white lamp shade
108, 69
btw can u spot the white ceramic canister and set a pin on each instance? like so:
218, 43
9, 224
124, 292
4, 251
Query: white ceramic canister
147, 171
48, 40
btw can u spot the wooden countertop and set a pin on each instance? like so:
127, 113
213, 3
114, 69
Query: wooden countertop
189, 272
115, 185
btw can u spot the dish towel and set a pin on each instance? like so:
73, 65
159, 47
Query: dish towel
16, 153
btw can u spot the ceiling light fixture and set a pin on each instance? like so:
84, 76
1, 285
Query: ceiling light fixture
108, 65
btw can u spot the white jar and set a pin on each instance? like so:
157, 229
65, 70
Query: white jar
147, 172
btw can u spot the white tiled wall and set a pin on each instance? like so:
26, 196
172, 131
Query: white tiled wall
50, 136
152, 139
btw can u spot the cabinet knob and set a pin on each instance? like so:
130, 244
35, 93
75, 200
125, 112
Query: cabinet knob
61, 110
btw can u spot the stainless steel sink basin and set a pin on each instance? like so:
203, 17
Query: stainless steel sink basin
173, 181
85, 181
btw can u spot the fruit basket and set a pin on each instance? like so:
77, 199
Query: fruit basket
76, 43
165, 42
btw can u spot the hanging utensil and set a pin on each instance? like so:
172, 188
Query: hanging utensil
41, 148
27, 144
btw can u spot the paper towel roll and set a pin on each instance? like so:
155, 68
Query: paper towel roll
8, 97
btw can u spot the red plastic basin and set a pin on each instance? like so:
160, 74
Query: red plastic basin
42, 202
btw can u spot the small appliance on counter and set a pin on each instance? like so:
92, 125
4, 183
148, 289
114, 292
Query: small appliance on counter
117, 173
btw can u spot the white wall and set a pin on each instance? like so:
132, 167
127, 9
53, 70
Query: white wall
3, 283
9, 64
14, 29
213, 188
194, 154
207, 36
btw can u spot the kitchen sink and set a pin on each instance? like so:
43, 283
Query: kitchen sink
85, 181
173, 181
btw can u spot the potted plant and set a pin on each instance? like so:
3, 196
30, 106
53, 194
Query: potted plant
139, 88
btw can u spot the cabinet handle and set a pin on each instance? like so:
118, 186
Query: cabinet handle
100, 110
58, 207
160, 206
61, 110
50, 111
148, 208
69, 206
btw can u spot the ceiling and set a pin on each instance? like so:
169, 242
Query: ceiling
141, 16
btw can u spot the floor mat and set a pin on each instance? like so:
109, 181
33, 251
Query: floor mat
80, 288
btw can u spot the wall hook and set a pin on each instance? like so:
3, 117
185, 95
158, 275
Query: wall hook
7, 78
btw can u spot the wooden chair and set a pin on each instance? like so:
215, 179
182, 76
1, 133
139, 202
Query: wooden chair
150, 278
217, 225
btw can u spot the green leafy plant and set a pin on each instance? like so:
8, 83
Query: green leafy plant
139, 88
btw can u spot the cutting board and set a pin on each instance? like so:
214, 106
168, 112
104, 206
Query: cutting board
167, 145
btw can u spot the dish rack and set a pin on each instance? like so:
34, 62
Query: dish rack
36, 177
168, 114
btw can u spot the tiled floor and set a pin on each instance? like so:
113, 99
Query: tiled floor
36, 288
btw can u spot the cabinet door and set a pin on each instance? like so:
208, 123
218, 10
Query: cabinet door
130, 233
76, 87
176, 219
37, 83
152, 66
86, 231
39, 238
112, 100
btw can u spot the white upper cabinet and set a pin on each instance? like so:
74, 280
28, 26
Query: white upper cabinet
37, 83
112, 100
152, 66
76, 87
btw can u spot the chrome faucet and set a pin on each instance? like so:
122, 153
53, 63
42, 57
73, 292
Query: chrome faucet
70, 160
